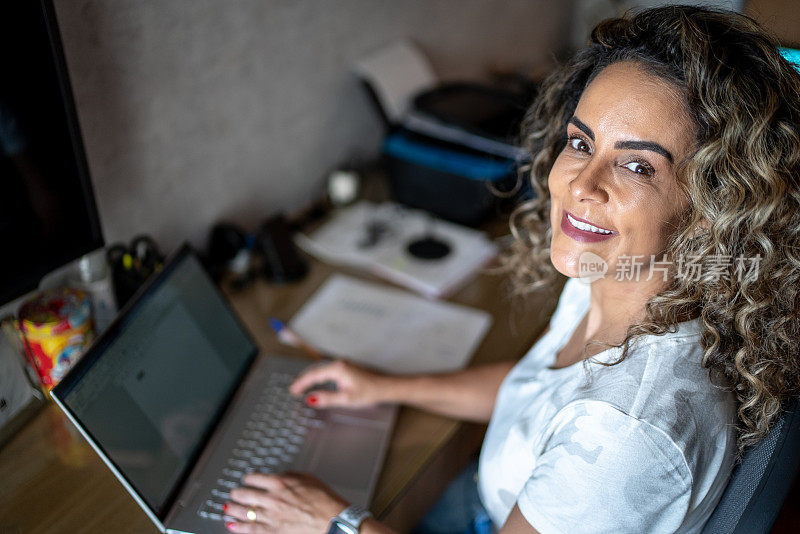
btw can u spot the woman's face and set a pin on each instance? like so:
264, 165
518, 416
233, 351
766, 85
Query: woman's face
617, 172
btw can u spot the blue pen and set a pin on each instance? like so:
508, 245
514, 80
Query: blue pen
287, 335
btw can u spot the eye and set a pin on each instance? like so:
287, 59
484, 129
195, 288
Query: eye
578, 143
639, 167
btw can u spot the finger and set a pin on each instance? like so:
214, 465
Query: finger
248, 528
318, 374
249, 496
315, 375
328, 399
239, 512
267, 481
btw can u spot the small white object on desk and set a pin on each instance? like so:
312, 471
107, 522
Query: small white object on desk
343, 187
376, 237
389, 329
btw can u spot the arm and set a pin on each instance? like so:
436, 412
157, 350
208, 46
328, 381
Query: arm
516, 524
467, 394
299, 504
373, 526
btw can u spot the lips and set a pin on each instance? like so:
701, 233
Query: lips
582, 230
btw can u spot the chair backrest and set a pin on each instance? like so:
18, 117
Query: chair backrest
760, 483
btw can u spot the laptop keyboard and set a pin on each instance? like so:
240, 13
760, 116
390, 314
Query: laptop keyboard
269, 442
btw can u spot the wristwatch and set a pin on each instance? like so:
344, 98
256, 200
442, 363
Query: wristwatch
348, 521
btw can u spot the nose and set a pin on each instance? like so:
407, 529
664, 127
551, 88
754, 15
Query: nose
591, 183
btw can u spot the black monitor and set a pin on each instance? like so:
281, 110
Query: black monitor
48, 215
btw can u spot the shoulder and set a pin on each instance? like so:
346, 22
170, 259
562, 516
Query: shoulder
601, 462
663, 383
618, 437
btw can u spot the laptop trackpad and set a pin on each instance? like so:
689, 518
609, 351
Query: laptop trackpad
346, 456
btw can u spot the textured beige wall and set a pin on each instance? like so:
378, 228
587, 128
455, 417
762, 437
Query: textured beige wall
781, 17
197, 110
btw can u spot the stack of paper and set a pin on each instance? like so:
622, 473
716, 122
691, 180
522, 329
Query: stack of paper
389, 329
376, 237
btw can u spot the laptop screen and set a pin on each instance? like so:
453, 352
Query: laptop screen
152, 388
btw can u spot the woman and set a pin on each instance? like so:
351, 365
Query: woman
666, 153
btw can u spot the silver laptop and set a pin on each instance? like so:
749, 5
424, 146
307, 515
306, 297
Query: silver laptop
176, 400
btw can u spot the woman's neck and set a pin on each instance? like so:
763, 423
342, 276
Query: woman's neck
615, 305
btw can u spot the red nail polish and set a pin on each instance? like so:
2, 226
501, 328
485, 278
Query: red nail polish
312, 400
229, 525
225, 507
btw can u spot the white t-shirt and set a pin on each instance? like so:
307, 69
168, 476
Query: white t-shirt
644, 446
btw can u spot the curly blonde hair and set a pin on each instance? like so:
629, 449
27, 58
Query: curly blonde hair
742, 182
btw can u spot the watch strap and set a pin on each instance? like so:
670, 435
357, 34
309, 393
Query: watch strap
355, 515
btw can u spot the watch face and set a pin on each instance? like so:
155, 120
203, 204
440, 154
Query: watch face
340, 527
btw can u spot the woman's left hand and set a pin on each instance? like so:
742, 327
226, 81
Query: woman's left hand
292, 502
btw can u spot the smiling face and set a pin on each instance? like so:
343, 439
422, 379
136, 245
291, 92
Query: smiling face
613, 188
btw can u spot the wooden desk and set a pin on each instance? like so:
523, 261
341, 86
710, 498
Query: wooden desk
52, 482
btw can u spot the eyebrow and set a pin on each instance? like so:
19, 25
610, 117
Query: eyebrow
644, 145
626, 145
579, 123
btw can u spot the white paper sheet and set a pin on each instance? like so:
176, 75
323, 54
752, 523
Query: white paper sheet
389, 329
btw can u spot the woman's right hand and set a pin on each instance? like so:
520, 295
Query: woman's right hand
356, 386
